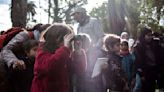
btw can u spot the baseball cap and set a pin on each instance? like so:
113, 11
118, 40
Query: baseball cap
78, 9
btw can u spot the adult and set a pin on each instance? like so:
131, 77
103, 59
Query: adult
146, 61
88, 25
7, 52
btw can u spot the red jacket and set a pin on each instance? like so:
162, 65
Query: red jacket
51, 71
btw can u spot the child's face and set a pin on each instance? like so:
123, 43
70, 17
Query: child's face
116, 48
124, 47
148, 37
77, 45
32, 52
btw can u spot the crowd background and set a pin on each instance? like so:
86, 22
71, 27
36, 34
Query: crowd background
53, 58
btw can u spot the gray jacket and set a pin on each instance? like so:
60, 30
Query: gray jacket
93, 28
6, 54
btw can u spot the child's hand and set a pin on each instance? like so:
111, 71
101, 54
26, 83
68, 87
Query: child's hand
19, 65
67, 40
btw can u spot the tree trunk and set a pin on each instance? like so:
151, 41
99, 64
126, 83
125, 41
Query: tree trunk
49, 10
19, 13
116, 16
56, 11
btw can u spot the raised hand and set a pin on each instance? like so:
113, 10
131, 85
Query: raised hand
67, 40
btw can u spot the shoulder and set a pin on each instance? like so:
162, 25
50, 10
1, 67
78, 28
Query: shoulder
18, 38
22, 35
113, 57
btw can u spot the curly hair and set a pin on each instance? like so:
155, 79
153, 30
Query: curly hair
110, 40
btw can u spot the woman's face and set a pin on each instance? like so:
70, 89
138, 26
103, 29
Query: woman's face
148, 37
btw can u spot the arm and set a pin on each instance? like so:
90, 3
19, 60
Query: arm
7, 54
46, 61
139, 56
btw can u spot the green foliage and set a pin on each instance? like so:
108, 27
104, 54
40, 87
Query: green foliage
133, 12
59, 10
151, 12
101, 13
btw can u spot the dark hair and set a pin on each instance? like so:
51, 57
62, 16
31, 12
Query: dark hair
77, 42
85, 38
28, 45
77, 38
111, 40
125, 42
35, 27
54, 36
40, 27
44, 27
144, 31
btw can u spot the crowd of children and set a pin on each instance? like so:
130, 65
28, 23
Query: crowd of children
54, 59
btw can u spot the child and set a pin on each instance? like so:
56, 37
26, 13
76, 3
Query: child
127, 60
125, 36
21, 80
52, 58
114, 74
79, 65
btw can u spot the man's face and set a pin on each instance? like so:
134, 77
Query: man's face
77, 16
